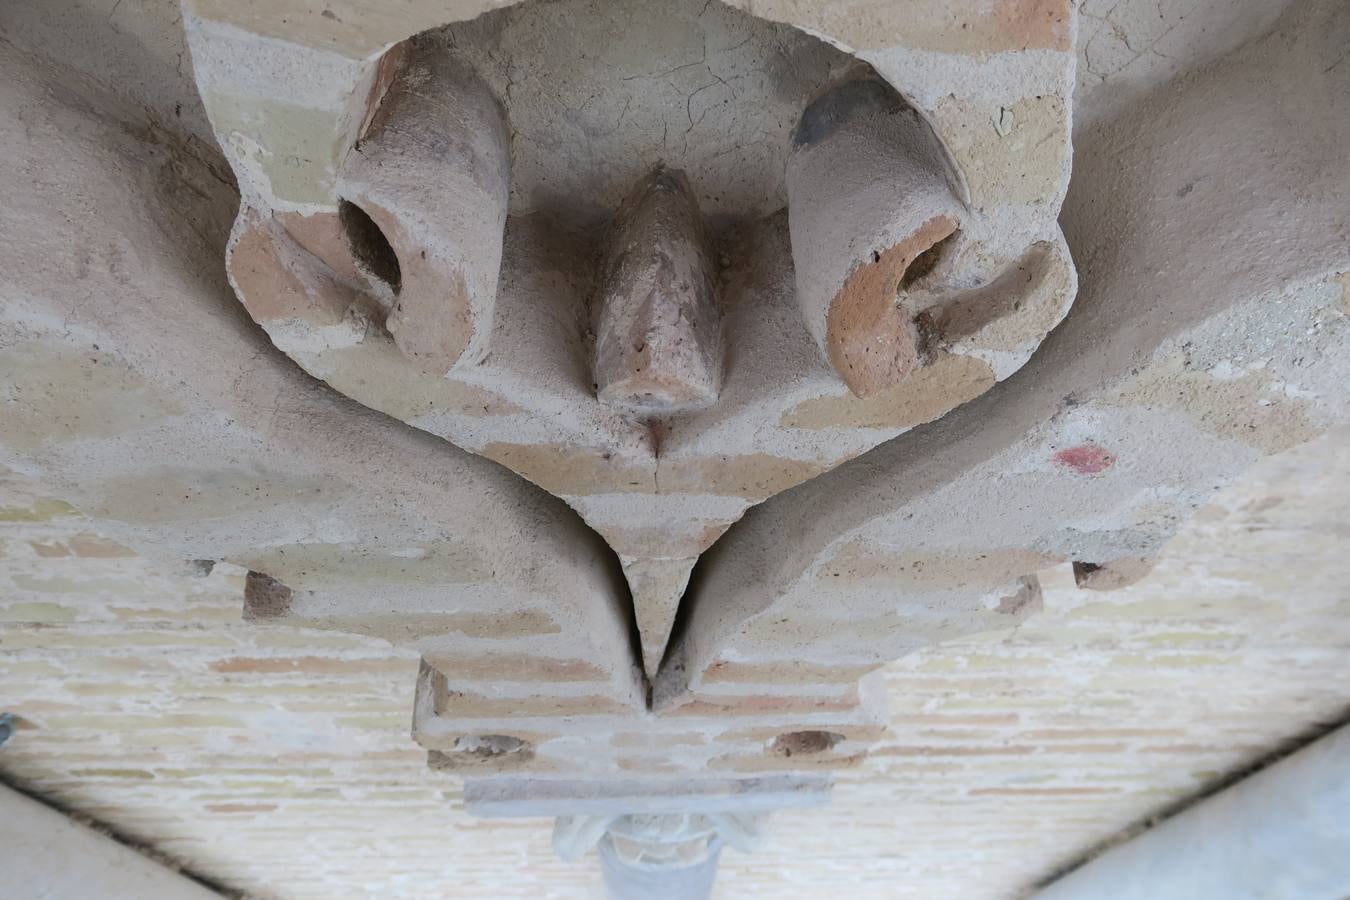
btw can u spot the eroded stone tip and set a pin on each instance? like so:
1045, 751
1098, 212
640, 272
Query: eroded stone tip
658, 334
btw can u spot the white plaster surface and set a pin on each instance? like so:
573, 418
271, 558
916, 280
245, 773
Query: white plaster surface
46, 855
1280, 834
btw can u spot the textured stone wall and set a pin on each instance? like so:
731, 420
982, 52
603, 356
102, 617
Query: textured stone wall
277, 760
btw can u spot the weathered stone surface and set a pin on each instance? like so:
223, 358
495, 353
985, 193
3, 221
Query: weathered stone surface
658, 346
224, 734
1130, 48
1128, 417
423, 204
941, 26
796, 591
215, 448
1111, 575
590, 110
868, 197
1093, 715
657, 585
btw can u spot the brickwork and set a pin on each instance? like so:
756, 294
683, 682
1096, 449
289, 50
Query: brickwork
423, 226
147, 703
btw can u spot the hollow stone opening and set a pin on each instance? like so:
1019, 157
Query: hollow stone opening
1084, 571
369, 246
924, 264
491, 745
805, 743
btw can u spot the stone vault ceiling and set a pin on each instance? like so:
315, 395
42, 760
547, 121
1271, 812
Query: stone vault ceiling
683, 408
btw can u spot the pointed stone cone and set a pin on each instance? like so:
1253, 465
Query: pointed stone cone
869, 198
658, 342
424, 205
657, 586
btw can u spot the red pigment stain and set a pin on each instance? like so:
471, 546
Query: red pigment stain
1086, 459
